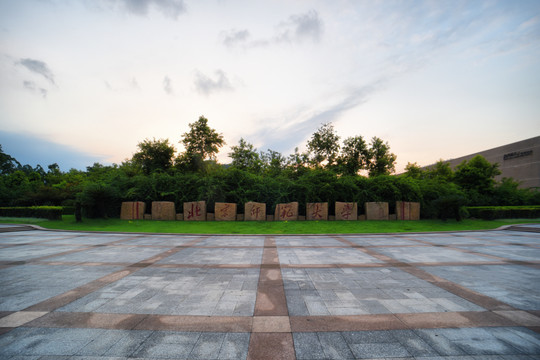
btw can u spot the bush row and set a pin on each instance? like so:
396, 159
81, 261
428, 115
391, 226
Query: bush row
437, 199
504, 212
45, 212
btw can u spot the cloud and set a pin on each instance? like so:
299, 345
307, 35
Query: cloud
296, 29
301, 125
31, 86
308, 26
38, 67
235, 37
206, 85
134, 84
167, 85
169, 8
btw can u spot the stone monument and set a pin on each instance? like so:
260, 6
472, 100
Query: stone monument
195, 211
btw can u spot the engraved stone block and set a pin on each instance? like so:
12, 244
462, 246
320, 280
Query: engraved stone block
163, 210
376, 211
132, 210
407, 210
225, 211
195, 211
346, 211
254, 211
317, 211
286, 212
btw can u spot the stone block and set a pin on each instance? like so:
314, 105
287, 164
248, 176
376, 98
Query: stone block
210, 217
407, 210
286, 212
317, 211
132, 210
147, 216
415, 211
163, 210
195, 211
254, 211
225, 211
376, 211
361, 217
346, 211
180, 217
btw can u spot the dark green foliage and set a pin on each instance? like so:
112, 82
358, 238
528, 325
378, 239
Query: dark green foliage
154, 155
504, 212
100, 200
8, 164
323, 146
201, 142
245, 157
381, 161
44, 212
450, 207
329, 175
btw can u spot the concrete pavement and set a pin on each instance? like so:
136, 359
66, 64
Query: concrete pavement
462, 295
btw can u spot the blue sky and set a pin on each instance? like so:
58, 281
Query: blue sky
85, 81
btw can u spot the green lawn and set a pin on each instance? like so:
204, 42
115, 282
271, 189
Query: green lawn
239, 227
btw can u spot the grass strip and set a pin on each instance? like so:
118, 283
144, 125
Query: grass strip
277, 227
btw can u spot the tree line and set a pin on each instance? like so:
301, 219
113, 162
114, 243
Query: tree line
328, 171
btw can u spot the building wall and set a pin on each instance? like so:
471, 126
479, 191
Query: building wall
520, 161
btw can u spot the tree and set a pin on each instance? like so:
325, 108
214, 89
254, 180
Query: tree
245, 157
8, 164
154, 155
477, 174
202, 141
381, 160
354, 155
413, 170
324, 146
273, 162
440, 171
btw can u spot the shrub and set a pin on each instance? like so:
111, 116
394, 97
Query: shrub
45, 212
504, 212
100, 200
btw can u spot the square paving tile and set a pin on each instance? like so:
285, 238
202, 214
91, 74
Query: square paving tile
26, 285
223, 292
162, 240
515, 285
354, 291
29, 252
426, 254
232, 241
381, 240
324, 256
203, 256
128, 254
512, 252
307, 241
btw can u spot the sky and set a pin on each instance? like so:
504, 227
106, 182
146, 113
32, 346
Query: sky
84, 81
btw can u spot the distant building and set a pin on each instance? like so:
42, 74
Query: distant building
519, 160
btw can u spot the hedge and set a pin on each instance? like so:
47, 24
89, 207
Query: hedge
45, 212
504, 212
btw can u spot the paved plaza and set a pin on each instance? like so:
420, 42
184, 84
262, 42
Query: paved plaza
430, 296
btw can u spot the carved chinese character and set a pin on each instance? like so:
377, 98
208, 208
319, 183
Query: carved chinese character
317, 211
